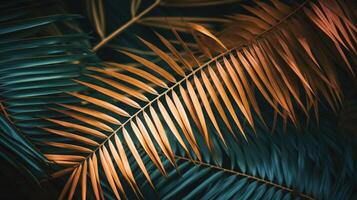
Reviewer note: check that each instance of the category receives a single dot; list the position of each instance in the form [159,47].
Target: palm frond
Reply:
[265,167]
[278,60]
[112,125]
[15,147]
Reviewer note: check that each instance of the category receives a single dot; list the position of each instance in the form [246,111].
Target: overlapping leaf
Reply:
[198,102]
[278,60]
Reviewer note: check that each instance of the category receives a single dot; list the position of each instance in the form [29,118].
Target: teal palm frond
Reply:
[203,104]
[286,165]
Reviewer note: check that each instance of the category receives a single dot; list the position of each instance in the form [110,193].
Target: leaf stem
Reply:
[158,97]
[123,27]
[244,175]
[192,73]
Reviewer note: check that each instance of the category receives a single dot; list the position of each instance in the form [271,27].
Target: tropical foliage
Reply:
[180,99]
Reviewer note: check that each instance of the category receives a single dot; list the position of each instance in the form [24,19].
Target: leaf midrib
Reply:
[125,26]
[158,97]
[208,165]
[193,73]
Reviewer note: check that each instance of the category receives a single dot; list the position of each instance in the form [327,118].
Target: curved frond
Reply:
[273,57]
[198,112]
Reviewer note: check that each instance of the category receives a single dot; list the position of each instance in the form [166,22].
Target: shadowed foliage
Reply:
[178,99]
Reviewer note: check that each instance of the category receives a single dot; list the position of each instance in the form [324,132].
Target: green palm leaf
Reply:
[188,108]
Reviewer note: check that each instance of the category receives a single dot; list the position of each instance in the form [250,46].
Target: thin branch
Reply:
[125,26]
[244,175]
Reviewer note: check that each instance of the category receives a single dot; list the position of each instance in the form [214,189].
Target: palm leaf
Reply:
[248,61]
[81,107]
[264,167]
